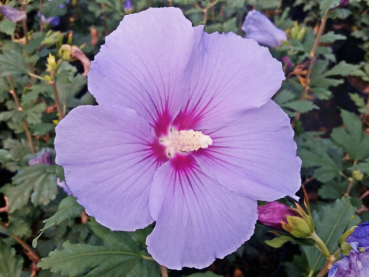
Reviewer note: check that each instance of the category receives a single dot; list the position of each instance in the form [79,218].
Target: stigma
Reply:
[184,141]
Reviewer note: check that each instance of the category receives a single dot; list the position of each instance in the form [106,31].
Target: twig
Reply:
[56,99]
[40,12]
[327,266]
[28,250]
[206,9]
[365,194]
[19,107]
[170,3]
[312,60]
[105,20]
[164,271]
[351,181]
[308,180]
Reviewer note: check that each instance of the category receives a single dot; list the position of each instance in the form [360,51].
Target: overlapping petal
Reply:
[108,158]
[229,75]
[254,156]
[143,65]
[197,220]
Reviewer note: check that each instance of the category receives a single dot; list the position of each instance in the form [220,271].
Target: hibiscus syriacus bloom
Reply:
[185,134]
[258,27]
[356,264]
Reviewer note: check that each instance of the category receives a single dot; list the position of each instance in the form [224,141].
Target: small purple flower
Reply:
[53,20]
[42,157]
[185,134]
[13,14]
[360,235]
[272,213]
[128,7]
[356,264]
[258,27]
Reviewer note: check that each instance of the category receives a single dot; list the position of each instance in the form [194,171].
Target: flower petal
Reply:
[109,161]
[254,156]
[229,75]
[197,220]
[143,65]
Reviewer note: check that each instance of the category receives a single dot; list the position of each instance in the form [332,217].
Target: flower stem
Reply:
[19,108]
[164,271]
[327,266]
[347,193]
[321,245]
[312,60]
[56,99]
[105,20]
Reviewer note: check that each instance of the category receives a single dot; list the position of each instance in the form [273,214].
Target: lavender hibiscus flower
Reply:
[258,27]
[356,264]
[185,134]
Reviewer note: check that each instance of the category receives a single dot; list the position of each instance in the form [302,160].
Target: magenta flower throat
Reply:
[185,134]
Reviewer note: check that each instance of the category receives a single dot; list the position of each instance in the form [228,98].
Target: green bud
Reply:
[345,248]
[65,53]
[298,227]
[295,30]
[301,34]
[357,175]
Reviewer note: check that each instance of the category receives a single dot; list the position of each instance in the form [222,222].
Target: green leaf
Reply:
[7,26]
[37,181]
[19,228]
[331,37]
[145,268]
[118,256]
[352,137]
[278,241]
[68,209]
[35,90]
[6,156]
[330,222]
[10,263]
[333,189]
[60,173]
[300,106]
[325,5]
[363,167]
[142,235]
[11,62]
[42,129]
[341,69]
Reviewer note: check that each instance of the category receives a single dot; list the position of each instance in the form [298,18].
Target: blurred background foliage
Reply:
[45,51]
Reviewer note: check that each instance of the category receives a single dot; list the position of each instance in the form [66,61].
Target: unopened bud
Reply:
[298,227]
[272,213]
[357,175]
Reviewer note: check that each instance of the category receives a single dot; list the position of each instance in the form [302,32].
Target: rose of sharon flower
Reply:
[185,134]
[356,264]
[272,213]
[258,27]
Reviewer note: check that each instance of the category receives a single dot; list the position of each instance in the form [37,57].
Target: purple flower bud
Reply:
[128,7]
[360,235]
[258,27]
[355,265]
[287,61]
[13,14]
[43,157]
[272,213]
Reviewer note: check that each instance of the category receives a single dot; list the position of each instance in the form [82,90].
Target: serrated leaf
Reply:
[68,209]
[42,129]
[37,181]
[6,156]
[363,167]
[352,137]
[325,5]
[341,69]
[19,228]
[145,268]
[60,173]
[284,96]
[7,27]
[10,263]
[300,106]
[11,62]
[333,189]
[117,257]
[331,37]
[330,222]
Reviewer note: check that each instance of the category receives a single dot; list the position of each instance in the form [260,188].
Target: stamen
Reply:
[185,141]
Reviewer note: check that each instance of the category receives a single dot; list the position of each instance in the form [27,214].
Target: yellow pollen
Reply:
[185,141]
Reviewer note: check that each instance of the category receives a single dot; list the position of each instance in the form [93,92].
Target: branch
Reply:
[312,60]
[19,107]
